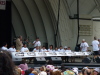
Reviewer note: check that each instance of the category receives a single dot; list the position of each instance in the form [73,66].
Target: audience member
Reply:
[23,65]
[42,72]
[7,67]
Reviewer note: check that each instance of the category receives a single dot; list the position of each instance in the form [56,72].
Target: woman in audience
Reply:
[50,65]
[57,73]
[35,72]
[96,71]
[23,65]
[7,67]
[42,71]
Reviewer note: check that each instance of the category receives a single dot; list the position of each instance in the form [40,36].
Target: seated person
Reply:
[43,49]
[24,48]
[56,50]
[36,49]
[4,47]
[50,48]
[68,49]
[12,49]
[71,58]
[60,49]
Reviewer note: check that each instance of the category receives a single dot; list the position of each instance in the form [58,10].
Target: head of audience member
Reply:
[7,52]
[96,71]
[57,73]
[51,47]
[37,39]
[44,68]
[27,72]
[65,48]
[75,69]
[50,62]
[56,69]
[31,69]
[83,40]
[41,69]
[7,66]
[85,68]
[23,61]
[35,72]
[37,47]
[68,48]
[88,72]
[5,44]
[60,47]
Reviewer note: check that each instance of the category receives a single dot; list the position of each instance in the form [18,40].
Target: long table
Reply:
[47,54]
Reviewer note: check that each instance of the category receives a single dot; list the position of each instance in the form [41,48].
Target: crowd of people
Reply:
[21,45]
[7,67]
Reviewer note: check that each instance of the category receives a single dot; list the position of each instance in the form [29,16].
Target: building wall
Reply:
[38,18]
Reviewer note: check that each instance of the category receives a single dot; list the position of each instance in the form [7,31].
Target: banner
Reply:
[2,4]
[47,54]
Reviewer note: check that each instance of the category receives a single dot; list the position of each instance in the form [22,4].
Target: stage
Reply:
[69,65]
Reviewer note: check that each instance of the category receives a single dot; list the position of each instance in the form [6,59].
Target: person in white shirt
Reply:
[84,46]
[12,49]
[56,50]
[37,43]
[43,49]
[24,48]
[50,48]
[4,47]
[99,45]
[72,57]
[67,57]
[60,49]
[36,49]
[95,45]
[65,48]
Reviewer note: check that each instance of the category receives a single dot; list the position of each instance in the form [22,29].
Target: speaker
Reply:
[97,59]
[86,60]
[56,60]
